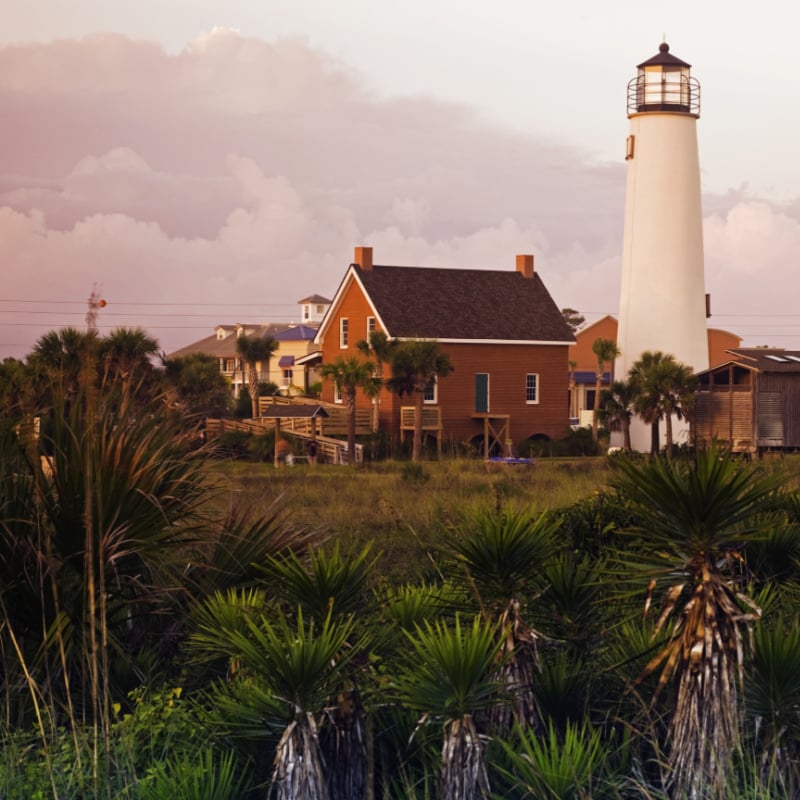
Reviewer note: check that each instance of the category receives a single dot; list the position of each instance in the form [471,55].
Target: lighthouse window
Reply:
[629,146]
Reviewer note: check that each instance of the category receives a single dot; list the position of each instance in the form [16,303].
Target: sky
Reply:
[198,162]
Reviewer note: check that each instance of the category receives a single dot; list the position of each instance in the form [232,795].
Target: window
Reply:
[320,309]
[287,377]
[481,392]
[431,391]
[370,325]
[531,388]
[337,393]
[306,313]
[343,332]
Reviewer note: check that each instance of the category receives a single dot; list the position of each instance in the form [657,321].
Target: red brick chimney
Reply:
[525,266]
[363,257]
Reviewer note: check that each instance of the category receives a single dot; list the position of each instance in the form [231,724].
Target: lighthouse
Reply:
[662,294]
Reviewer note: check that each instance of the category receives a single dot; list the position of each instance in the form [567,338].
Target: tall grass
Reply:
[406,512]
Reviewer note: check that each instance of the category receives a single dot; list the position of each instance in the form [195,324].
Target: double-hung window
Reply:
[532,388]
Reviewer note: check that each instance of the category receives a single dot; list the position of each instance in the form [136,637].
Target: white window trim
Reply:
[337,394]
[435,399]
[534,402]
[370,326]
[344,332]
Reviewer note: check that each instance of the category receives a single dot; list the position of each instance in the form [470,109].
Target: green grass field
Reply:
[402,508]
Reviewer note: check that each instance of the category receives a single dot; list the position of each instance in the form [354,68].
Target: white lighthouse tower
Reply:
[662,296]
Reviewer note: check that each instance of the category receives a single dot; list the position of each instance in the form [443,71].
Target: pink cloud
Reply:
[227,181]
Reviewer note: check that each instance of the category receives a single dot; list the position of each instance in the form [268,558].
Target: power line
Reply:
[155,303]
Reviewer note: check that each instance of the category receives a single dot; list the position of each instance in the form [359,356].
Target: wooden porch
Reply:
[496,427]
[431,423]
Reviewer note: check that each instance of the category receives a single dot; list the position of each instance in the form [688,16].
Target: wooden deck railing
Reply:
[431,418]
[329,450]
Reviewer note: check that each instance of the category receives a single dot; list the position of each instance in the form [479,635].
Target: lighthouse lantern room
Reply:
[664,83]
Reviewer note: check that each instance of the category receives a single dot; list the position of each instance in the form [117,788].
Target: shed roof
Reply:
[761,359]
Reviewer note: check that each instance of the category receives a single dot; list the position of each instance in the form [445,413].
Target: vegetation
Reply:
[416,365]
[179,625]
[605,351]
[378,347]
[662,387]
[255,350]
[349,375]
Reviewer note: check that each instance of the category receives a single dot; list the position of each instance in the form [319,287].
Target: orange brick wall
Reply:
[507,366]
[356,309]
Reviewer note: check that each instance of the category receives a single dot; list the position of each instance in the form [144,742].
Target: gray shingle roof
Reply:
[225,348]
[426,303]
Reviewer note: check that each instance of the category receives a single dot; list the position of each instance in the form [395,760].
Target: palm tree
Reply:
[196,386]
[60,360]
[572,396]
[125,356]
[447,679]
[15,388]
[662,387]
[379,347]
[255,349]
[349,375]
[416,364]
[606,351]
[616,405]
[694,521]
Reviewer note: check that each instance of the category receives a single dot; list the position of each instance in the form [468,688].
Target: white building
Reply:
[662,295]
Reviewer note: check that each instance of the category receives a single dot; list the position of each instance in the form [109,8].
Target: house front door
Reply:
[481,392]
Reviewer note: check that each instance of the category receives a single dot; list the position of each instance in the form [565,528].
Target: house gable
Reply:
[452,305]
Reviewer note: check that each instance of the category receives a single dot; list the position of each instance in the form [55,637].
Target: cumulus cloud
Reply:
[227,181]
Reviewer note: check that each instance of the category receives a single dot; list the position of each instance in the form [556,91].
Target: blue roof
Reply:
[297,333]
[589,376]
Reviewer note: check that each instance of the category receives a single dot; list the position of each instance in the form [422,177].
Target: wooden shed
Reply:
[751,402]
